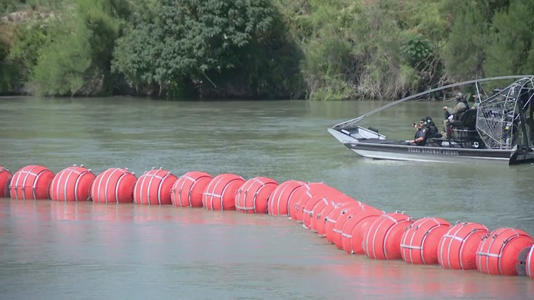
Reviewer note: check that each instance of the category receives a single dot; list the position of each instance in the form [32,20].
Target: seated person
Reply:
[433,131]
[420,136]
[454,114]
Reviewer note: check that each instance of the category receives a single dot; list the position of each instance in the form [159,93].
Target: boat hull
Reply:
[427,154]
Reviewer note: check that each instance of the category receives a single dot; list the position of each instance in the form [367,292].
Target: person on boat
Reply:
[421,132]
[432,129]
[454,114]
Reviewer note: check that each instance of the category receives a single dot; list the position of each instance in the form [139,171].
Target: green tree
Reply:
[464,53]
[353,49]
[8,6]
[10,72]
[511,47]
[30,38]
[178,43]
[77,59]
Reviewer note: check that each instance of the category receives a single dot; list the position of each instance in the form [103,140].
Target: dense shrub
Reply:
[77,59]
[216,47]
[316,49]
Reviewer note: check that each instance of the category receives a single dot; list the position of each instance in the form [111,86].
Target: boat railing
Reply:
[480,96]
[501,117]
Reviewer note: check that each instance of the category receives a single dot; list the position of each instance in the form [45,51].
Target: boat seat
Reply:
[466,120]
[435,141]
[464,129]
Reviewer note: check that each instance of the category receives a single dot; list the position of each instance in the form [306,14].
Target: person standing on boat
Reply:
[420,134]
[454,114]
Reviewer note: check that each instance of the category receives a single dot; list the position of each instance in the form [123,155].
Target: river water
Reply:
[57,250]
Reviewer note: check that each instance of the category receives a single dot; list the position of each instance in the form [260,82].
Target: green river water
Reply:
[57,250]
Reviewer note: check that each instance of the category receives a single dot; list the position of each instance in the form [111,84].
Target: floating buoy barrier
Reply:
[337,231]
[317,212]
[420,241]
[299,199]
[354,228]
[351,225]
[322,215]
[458,246]
[529,264]
[305,193]
[311,209]
[331,219]
[114,185]
[5,177]
[154,187]
[315,193]
[31,183]
[498,252]
[220,192]
[279,199]
[382,240]
[187,190]
[72,184]
[293,204]
[312,205]
[253,195]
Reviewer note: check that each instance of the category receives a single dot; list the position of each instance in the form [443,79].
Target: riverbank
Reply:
[349,49]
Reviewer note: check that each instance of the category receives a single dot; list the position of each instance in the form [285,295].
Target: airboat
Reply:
[498,127]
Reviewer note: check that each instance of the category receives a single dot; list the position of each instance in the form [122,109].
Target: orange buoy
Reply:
[333,216]
[253,195]
[320,193]
[498,252]
[31,182]
[530,263]
[317,210]
[301,196]
[308,210]
[420,241]
[220,192]
[154,187]
[293,205]
[187,190]
[457,248]
[382,240]
[359,231]
[319,221]
[114,185]
[72,184]
[337,231]
[5,177]
[321,214]
[278,201]
[355,226]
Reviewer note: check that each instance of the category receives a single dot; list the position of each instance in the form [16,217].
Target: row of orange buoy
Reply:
[352,226]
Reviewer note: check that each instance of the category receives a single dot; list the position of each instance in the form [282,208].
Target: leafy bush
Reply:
[317,49]
[77,59]
[10,73]
[174,44]
[511,43]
